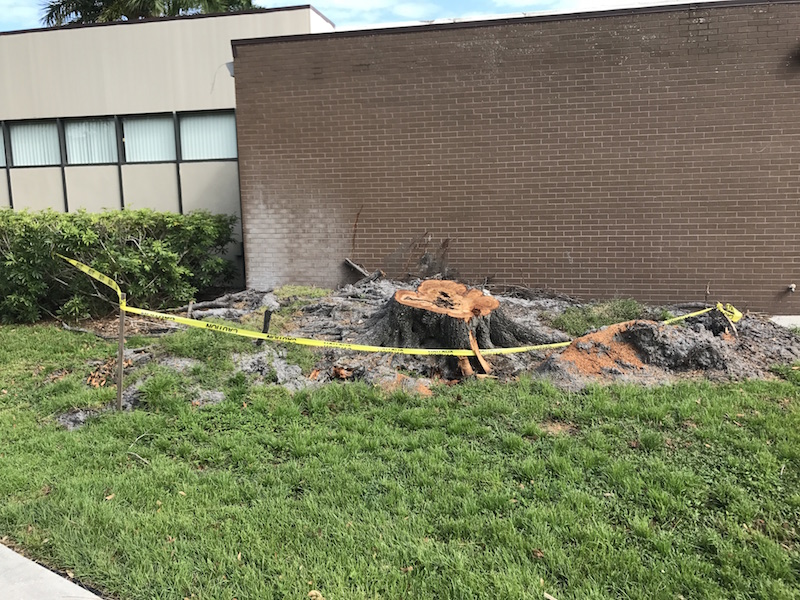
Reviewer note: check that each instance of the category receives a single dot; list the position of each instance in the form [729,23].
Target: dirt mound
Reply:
[640,352]
[651,353]
[603,356]
[357,314]
[644,352]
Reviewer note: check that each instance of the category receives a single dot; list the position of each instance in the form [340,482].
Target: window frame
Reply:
[123,157]
[117,140]
[197,113]
[9,126]
[61,124]
[4,153]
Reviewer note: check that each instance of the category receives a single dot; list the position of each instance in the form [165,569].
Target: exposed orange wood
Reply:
[448,298]
[466,368]
[473,343]
[453,299]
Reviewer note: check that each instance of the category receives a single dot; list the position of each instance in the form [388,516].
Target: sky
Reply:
[348,14]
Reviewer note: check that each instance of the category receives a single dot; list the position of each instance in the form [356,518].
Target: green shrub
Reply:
[158,259]
[577,321]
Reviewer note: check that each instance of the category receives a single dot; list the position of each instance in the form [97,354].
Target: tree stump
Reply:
[446,314]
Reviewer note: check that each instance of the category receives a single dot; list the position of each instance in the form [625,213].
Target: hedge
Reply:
[159,260]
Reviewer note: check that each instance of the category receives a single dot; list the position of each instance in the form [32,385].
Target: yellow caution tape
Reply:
[96,274]
[329,344]
[288,339]
[728,310]
[682,317]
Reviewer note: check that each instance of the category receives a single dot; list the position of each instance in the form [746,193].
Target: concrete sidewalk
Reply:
[23,579]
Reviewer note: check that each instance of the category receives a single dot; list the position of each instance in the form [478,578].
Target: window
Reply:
[2,148]
[208,136]
[35,144]
[149,139]
[91,142]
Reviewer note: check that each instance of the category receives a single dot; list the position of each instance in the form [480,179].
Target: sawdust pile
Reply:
[640,352]
[651,353]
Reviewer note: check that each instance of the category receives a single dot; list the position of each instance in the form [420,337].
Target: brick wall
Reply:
[652,154]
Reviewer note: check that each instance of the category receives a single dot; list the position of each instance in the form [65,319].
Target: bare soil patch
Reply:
[558,428]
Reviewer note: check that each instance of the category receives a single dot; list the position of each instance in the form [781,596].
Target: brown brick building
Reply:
[648,153]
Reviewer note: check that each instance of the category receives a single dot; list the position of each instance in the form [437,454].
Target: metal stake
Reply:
[120,352]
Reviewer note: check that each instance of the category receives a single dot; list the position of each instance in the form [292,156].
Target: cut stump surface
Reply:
[456,301]
[448,298]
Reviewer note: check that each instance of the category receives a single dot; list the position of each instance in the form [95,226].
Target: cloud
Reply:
[356,13]
[415,10]
[569,6]
[528,6]
[19,14]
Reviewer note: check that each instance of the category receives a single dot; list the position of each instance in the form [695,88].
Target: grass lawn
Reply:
[481,491]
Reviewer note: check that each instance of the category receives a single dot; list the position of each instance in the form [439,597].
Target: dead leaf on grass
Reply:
[342,372]
[110,496]
[423,390]
[106,372]
[56,376]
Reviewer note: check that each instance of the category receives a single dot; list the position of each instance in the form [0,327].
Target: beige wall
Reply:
[213,186]
[151,186]
[4,203]
[169,65]
[160,66]
[38,188]
[93,188]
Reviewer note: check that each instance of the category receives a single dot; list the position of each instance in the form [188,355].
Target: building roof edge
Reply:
[253,11]
[494,21]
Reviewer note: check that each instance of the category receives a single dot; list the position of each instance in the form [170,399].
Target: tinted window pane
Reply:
[208,137]
[149,139]
[91,142]
[35,144]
